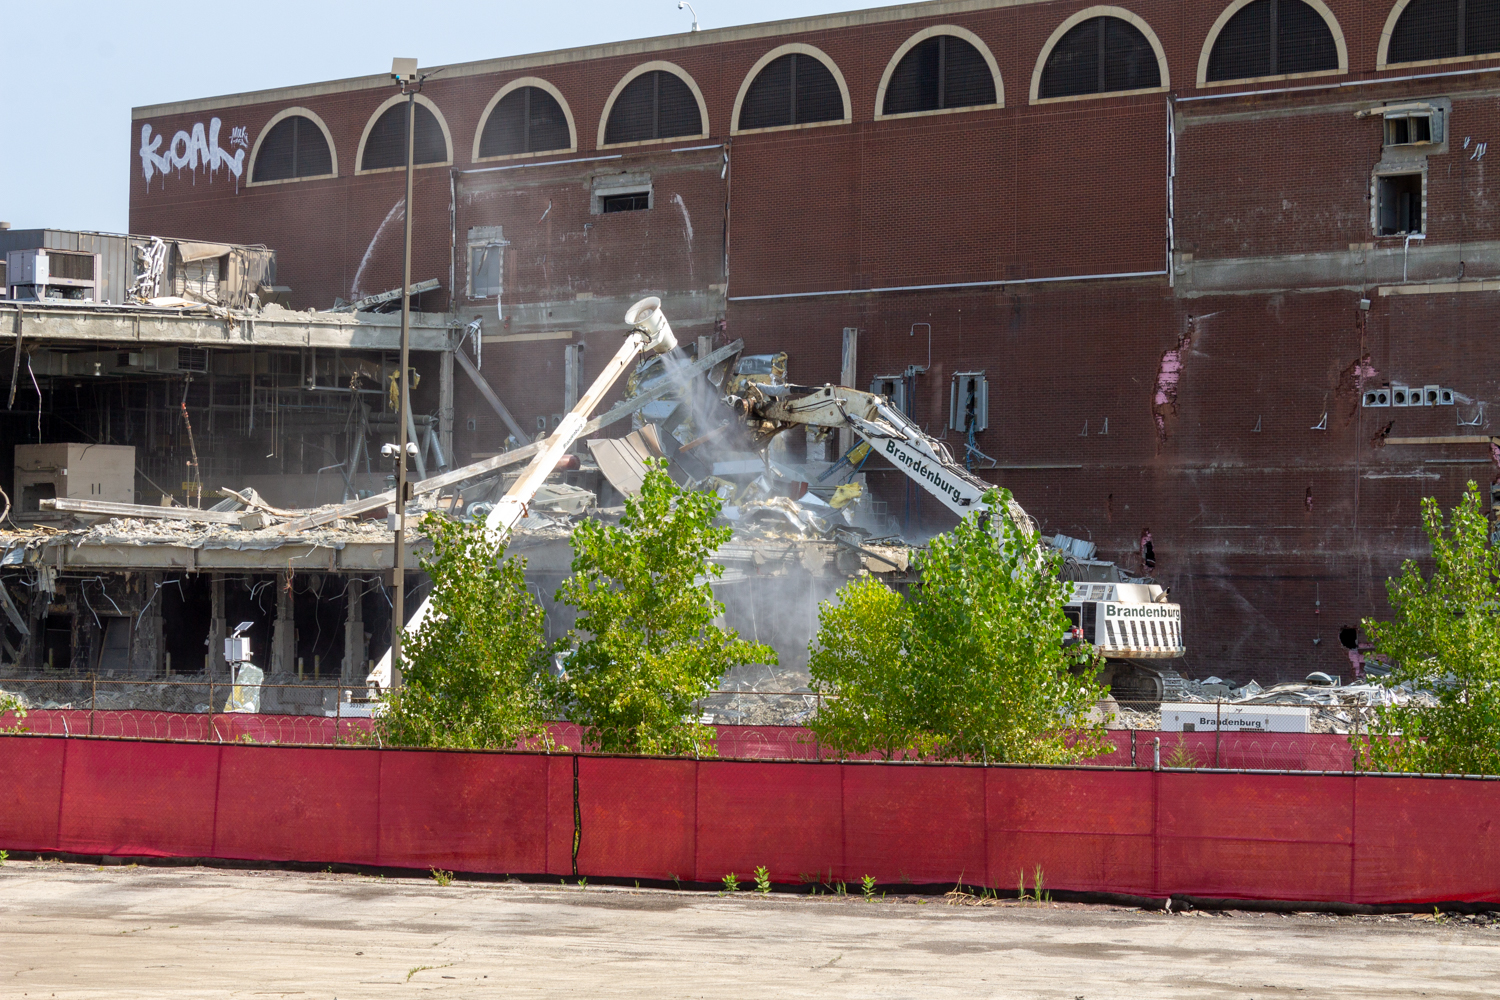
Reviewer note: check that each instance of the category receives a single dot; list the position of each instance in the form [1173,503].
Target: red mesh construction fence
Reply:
[1341,838]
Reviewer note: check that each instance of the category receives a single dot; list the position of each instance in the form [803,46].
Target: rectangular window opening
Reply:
[486,261]
[1398,204]
[1413,128]
[634,201]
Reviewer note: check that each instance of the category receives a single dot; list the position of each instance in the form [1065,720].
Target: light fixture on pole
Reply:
[684,3]
[404,72]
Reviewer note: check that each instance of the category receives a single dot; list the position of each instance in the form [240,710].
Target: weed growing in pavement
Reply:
[840,889]
[1021,885]
[867,886]
[1036,889]
[4,857]
[583,883]
[441,878]
[762,880]
[424,968]
[731,883]
[676,882]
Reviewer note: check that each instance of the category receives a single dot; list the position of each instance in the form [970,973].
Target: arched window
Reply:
[656,104]
[1444,29]
[938,73]
[526,119]
[385,142]
[1100,55]
[1272,38]
[794,89]
[293,146]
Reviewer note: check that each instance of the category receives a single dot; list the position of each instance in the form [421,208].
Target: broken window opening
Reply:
[635,201]
[1413,126]
[1098,56]
[1398,204]
[1445,29]
[486,261]
[937,74]
[1273,38]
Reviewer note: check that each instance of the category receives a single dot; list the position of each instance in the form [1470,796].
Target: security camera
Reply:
[390,449]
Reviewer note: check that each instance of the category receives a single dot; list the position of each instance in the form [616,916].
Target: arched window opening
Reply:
[386,144]
[1273,38]
[794,89]
[939,73]
[295,147]
[655,105]
[527,120]
[1445,29]
[1100,56]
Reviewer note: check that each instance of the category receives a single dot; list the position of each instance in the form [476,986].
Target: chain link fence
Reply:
[759,725]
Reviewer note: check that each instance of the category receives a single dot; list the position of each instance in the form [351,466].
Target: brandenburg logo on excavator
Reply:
[927,472]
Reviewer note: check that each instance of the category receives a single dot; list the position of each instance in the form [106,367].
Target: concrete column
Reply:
[218,629]
[848,372]
[145,650]
[283,631]
[355,651]
[572,375]
[445,406]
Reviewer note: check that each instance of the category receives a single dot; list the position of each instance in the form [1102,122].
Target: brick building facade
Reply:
[1183,241]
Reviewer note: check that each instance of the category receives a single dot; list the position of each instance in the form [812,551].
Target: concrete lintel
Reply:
[1389,263]
[278,328]
[301,556]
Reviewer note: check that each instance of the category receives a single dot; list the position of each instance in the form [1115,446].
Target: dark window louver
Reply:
[939,73]
[386,144]
[193,359]
[1272,38]
[1445,29]
[1099,56]
[527,120]
[295,147]
[791,90]
[655,105]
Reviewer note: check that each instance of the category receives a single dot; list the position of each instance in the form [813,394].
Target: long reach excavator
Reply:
[1129,619]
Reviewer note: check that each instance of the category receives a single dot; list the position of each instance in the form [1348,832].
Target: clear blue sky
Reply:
[73,73]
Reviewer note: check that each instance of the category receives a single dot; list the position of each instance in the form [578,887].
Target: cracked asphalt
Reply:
[80,931]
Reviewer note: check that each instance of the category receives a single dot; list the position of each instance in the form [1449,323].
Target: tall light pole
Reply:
[404,71]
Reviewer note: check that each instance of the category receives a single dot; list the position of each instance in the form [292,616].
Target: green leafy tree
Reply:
[471,675]
[11,705]
[1444,639]
[646,646]
[971,666]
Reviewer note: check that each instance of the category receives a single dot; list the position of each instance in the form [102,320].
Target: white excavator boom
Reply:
[1123,617]
[649,331]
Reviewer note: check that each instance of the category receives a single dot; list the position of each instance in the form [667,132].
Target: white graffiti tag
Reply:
[188,149]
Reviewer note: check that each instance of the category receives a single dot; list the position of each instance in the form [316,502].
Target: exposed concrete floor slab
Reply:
[76,931]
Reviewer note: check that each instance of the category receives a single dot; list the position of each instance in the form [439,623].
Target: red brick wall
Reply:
[1021,192]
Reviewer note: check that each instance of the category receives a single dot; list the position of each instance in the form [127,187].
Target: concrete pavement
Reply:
[80,931]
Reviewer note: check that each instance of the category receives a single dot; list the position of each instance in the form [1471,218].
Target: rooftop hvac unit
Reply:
[51,274]
[969,400]
[892,387]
